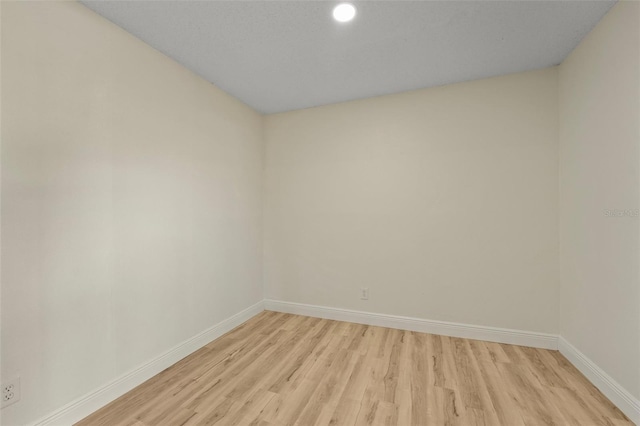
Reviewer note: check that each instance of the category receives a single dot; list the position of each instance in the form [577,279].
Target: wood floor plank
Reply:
[503,400]
[288,370]
[330,388]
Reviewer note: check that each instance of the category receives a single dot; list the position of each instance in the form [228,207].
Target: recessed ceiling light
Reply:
[344,12]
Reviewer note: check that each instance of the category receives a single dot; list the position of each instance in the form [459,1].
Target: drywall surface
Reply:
[442,202]
[131,204]
[599,104]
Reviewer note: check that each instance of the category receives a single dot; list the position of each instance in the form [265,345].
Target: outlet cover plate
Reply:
[10,391]
[364,293]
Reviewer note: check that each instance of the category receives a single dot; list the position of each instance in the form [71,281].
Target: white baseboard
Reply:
[93,401]
[626,402]
[83,406]
[468,331]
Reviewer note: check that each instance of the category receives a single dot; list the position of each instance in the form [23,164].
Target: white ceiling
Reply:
[285,55]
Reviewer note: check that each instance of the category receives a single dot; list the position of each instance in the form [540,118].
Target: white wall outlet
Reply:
[10,391]
[364,293]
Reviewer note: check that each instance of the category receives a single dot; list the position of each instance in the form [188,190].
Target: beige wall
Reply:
[131,204]
[600,170]
[443,202]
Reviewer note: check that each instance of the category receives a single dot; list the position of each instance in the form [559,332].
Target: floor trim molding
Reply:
[85,405]
[100,397]
[626,402]
[468,331]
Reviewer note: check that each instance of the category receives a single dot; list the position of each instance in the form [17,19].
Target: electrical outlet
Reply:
[10,392]
[364,293]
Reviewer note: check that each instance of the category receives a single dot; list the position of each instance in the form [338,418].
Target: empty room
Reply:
[299,213]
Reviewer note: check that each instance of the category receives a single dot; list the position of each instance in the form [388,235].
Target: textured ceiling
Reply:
[284,55]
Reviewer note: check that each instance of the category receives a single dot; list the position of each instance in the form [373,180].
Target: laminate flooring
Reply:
[281,369]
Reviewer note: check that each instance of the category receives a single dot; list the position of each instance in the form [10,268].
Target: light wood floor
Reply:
[280,369]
